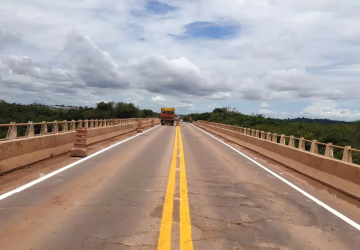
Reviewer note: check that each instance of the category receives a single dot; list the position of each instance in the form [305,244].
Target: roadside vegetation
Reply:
[13,112]
[323,130]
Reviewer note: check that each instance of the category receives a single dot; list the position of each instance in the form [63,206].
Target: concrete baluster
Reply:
[268,136]
[347,155]
[292,141]
[30,132]
[55,127]
[72,125]
[301,143]
[44,128]
[64,126]
[275,137]
[253,132]
[86,124]
[80,124]
[314,147]
[263,135]
[282,139]
[12,131]
[329,151]
[257,133]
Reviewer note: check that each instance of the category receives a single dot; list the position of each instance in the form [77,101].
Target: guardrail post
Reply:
[44,128]
[55,127]
[275,136]
[116,121]
[103,123]
[263,135]
[91,123]
[12,131]
[268,136]
[301,143]
[80,148]
[140,127]
[282,139]
[65,125]
[252,132]
[314,147]
[80,124]
[329,151]
[72,125]
[30,132]
[291,141]
[347,156]
[86,124]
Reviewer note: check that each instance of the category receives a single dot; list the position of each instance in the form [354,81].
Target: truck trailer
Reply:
[167,116]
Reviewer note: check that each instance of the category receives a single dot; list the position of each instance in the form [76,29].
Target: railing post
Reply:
[65,125]
[44,128]
[268,136]
[301,143]
[72,125]
[257,133]
[291,141]
[329,151]
[275,136]
[282,139]
[263,135]
[253,132]
[86,124]
[314,147]
[347,156]
[30,132]
[12,131]
[55,127]
[80,124]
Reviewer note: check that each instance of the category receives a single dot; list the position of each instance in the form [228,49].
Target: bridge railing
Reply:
[46,128]
[300,143]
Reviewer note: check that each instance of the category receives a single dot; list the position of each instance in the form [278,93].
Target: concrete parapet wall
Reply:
[21,152]
[340,175]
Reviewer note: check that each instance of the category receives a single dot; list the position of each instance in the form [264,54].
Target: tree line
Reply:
[323,130]
[20,113]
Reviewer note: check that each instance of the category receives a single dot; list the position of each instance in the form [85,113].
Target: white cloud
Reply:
[283,50]
[264,105]
[158,98]
[267,112]
[329,109]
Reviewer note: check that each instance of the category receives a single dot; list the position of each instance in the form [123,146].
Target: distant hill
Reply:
[319,121]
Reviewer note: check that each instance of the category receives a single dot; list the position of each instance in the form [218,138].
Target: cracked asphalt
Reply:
[115,201]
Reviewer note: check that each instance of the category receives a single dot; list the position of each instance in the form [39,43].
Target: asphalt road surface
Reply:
[173,188]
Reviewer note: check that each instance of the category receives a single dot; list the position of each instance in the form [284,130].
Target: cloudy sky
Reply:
[275,57]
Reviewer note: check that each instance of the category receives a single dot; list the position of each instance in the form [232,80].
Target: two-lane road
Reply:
[172,188]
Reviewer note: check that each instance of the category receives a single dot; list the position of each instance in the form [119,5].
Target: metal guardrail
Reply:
[60,126]
[291,141]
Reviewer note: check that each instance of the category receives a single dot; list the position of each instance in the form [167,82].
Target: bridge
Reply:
[198,185]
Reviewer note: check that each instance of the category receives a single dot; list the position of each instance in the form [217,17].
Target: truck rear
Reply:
[167,116]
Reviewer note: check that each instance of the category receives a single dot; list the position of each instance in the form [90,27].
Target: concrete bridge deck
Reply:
[172,188]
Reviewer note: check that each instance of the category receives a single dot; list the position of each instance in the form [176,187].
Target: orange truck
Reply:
[167,116]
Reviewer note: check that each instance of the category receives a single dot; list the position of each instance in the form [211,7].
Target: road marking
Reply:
[185,223]
[330,209]
[164,242]
[19,189]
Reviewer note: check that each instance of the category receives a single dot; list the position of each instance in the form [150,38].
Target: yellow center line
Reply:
[185,223]
[164,242]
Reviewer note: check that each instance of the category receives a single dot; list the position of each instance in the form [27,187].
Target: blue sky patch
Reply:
[210,30]
[159,8]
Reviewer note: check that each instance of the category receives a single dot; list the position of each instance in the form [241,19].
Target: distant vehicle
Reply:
[167,116]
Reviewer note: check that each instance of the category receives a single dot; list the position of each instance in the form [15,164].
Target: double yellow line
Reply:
[164,242]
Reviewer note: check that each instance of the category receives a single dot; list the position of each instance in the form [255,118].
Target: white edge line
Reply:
[19,189]
[330,209]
